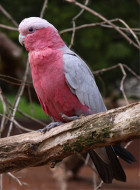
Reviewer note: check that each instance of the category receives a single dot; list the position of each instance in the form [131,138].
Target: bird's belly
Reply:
[56,97]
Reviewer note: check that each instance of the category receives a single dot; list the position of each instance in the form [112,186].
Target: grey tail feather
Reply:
[124,154]
[108,171]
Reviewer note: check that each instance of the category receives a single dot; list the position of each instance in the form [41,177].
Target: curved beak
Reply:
[21,39]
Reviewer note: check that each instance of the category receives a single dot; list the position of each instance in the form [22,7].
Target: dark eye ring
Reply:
[31,29]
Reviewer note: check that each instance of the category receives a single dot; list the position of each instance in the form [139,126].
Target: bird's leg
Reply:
[50,126]
[67,118]
[55,124]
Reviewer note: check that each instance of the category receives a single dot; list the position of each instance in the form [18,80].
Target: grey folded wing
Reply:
[82,83]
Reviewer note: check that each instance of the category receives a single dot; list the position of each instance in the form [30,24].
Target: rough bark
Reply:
[35,148]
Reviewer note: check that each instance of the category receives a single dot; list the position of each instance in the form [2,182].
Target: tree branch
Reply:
[35,148]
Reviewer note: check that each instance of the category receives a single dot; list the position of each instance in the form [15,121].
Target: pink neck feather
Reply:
[42,39]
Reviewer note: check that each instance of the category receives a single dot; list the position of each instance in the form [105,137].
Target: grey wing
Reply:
[82,83]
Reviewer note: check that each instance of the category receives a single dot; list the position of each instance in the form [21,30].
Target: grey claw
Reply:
[67,118]
[50,126]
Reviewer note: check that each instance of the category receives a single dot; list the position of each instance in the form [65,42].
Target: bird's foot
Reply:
[50,126]
[67,118]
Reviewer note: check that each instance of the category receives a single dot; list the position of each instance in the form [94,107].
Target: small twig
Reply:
[8,16]
[94,180]
[30,99]
[16,79]
[1,182]
[31,118]
[17,124]
[130,30]
[123,78]
[21,127]
[21,89]
[80,27]
[105,69]
[122,83]
[128,144]
[97,24]
[22,113]
[103,85]
[8,27]
[74,24]
[16,179]
[26,115]
[14,83]
[4,112]
[73,35]
[114,67]
[87,159]
[44,8]
[95,176]
[131,71]
[88,164]
[99,186]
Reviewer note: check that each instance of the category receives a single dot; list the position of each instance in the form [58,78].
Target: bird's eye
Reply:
[31,30]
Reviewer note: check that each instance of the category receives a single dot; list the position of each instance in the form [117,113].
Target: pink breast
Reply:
[50,84]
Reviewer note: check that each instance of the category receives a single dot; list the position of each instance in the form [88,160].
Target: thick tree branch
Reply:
[35,148]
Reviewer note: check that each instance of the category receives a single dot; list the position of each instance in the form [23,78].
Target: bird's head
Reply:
[37,33]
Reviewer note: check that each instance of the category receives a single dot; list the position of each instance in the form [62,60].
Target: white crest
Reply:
[35,22]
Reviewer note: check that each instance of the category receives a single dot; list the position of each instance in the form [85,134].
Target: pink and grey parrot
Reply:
[66,88]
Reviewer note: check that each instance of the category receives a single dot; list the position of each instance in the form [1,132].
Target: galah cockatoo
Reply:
[66,88]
